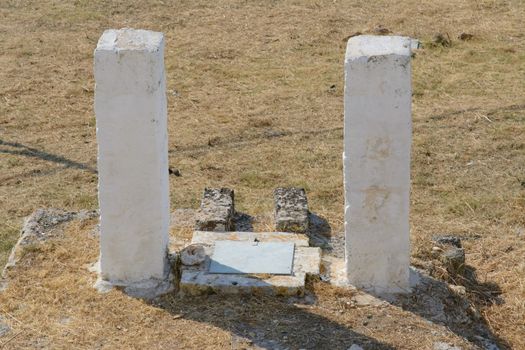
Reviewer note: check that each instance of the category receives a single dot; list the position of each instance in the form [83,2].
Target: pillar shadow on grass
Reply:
[26,151]
[268,322]
[433,300]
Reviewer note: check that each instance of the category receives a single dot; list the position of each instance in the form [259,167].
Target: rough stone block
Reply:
[291,210]
[217,210]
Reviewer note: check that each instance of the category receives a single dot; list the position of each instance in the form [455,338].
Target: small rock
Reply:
[4,328]
[442,39]
[454,260]
[487,344]
[447,240]
[445,346]
[465,36]
[355,347]
[173,171]
[459,290]
[193,254]
[363,299]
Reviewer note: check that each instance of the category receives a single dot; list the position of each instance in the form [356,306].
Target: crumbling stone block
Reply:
[454,260]
[217,210]
[291,210]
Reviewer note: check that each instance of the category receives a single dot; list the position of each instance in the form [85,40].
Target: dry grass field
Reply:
[255,101]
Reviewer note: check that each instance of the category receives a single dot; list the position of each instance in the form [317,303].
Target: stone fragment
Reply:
[355,347]
[487,344]
[194,254]
[454,260]
[376,159]
[217,210]
[459,290]
[465,36]
[291,210]
[447,240]
[4,327]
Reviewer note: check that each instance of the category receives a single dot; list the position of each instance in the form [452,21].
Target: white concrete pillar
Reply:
[377,139]
[130,108]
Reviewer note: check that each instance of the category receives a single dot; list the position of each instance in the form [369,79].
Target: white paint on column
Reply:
[130,108]
[376,159]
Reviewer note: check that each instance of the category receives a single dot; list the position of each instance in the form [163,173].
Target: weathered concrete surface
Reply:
[217,210]
[291,210]
[131,113]
[200,283]
[376,158]
[196,280]
[209,238]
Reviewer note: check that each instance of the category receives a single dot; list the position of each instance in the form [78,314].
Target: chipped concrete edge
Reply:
[148,289]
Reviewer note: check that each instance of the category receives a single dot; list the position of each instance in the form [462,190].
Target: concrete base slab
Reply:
[335,271]
[196,279]
[145,289]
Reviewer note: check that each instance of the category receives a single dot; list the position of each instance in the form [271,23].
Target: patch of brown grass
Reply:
[263,81]
[51,303]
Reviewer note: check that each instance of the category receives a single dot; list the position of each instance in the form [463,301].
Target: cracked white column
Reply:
[377,141]
[130,108]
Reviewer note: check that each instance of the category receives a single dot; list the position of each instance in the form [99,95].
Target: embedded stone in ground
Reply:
[291,210]
[454,260]
[217,210]
[447,240]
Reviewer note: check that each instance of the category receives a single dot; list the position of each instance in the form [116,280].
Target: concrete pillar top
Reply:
[128,39]
[373,45]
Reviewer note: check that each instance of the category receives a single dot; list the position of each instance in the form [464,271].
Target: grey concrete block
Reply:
[217,210]
[291,210]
